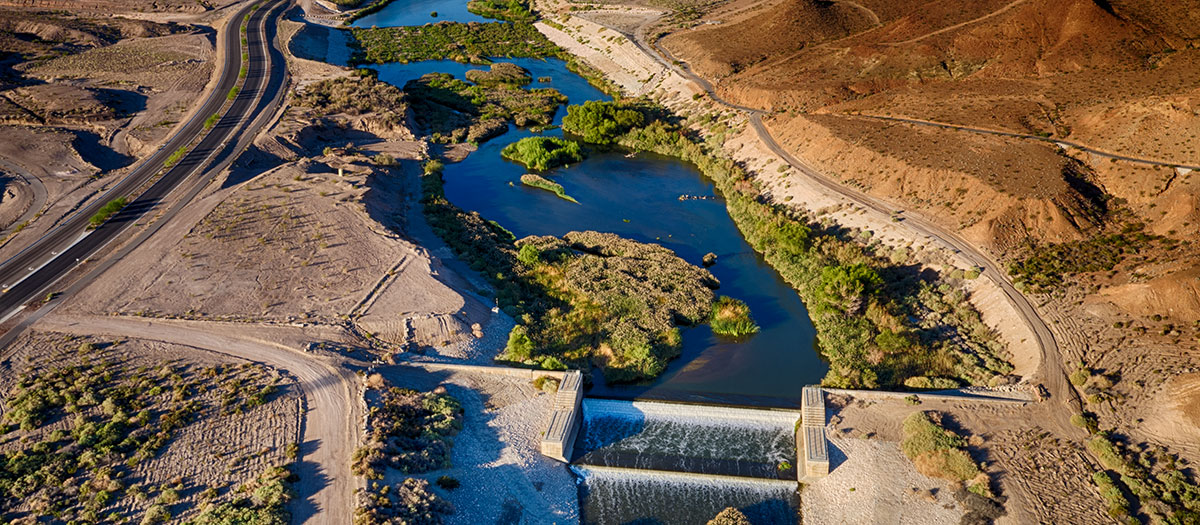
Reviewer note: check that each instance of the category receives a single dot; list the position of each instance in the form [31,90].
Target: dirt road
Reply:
[1054,376]
[328,432]
[35,186]
[1060,142]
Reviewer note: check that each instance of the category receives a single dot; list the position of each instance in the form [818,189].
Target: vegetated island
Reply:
[731,317]
[452,110]
[471,42]
[543,153]
[585,298]
[878,324]
[538,181]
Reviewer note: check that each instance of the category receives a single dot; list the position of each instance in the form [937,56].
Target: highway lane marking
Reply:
[32,271]
[15,311]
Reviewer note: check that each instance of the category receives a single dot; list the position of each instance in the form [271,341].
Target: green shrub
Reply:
[938,452]
[1108,454]
[156,514]
[543,153]
[1118,504]
[107,211]
[176,156]
[547,383]
[537,181]
[519,347]
[1046,266]
[1085,421]
[599,122]
[265,504]
[1080,376]
[447,482]
[731,317]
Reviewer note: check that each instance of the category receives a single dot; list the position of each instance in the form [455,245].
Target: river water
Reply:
[638,197]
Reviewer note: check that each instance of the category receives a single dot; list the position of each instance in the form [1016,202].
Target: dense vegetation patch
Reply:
[471,42]
[452,110]
[543,153]
[609,299]
[407,430]
[500,73]
[1045,266]
[878,323]
[940,453]
[355,96]
[600,122]
[538,181]
[373,8]
[510,10]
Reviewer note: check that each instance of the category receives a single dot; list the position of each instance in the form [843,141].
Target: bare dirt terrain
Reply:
[302,243]
[1113,79]
[1046,478]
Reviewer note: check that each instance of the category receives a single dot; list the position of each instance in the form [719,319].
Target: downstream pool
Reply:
[639,198]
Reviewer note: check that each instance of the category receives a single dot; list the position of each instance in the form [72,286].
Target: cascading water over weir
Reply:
[669,463]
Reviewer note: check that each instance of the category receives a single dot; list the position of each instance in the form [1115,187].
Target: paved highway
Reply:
[34,270]
[1055,377]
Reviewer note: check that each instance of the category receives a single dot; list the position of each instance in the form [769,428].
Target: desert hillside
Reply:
[1117,77]
[876,94]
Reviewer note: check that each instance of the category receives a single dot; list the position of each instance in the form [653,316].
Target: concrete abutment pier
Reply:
[812,445]
[566,416]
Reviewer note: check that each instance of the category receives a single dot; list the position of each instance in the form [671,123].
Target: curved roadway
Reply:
[1055,376]
[36,268]
[326,483]
[35,186]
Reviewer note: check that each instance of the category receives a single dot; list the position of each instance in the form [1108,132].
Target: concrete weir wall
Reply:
[811,442]
[558,439]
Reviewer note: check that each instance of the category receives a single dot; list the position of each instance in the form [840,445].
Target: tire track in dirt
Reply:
[329,432]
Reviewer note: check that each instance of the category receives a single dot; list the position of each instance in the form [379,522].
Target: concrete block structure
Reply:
[811,441]
[566,415]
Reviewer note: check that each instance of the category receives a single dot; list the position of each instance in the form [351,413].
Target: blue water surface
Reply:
[419,12]
[638,197]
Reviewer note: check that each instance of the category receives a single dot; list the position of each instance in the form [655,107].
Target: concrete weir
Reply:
[558,439]
[810,437]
